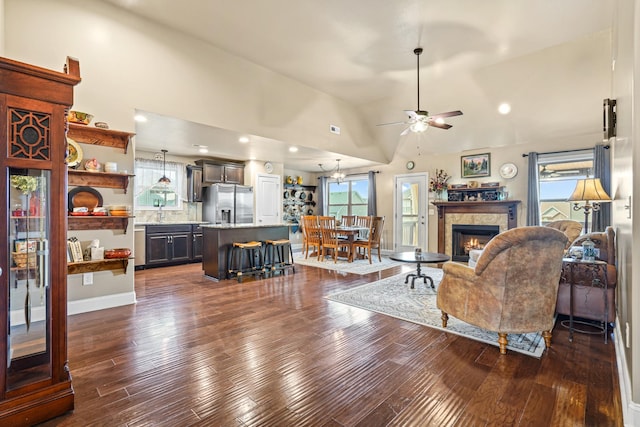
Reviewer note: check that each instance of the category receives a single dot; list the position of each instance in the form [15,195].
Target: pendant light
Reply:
[164,180]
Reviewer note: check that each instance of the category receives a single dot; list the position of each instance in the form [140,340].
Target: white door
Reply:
[268,199]
[410,212]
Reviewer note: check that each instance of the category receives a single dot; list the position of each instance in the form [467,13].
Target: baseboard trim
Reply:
[630,409]
[100,303]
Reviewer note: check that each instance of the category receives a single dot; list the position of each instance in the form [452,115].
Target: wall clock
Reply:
[410,165]
[268,167]
[508,170]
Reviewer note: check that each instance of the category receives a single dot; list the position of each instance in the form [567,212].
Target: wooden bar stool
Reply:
[276,261]
[255,260]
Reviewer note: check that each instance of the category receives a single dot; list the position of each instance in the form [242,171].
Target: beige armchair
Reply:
[571,228]
[513,288]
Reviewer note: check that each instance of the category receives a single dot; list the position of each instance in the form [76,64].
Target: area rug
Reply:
[391,296]
[360,266]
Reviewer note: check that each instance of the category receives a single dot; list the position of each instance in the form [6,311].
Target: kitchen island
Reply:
[218,238]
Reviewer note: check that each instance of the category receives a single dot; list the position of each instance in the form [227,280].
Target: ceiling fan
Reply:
[420,120]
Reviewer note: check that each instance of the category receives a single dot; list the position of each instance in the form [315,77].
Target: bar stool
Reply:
[275,260]
[237,250]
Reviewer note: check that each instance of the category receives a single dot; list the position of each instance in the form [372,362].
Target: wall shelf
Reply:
[99,179]
[93,222]
[100,265]
[98,136]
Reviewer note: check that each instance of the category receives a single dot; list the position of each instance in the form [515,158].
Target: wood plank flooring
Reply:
[274,352]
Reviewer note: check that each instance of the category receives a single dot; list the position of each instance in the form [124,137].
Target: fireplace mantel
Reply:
[504,207]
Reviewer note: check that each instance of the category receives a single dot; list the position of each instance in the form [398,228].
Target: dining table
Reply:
[351,233]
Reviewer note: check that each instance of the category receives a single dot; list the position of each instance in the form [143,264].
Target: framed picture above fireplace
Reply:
[476,165]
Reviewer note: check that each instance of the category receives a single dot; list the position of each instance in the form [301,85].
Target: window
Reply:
[149,195]
[348,197]
[558,174]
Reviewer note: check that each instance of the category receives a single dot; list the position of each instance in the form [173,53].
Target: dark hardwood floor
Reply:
[274,352]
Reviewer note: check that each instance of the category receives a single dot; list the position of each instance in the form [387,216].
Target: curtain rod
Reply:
[564,151]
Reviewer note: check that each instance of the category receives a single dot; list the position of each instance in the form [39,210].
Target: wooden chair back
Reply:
[363,221]
[329,235]
[310,234]
[348,220]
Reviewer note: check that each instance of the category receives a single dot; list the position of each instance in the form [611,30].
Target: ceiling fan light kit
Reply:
[420,120]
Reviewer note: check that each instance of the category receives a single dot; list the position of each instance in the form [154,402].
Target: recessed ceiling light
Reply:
[203,150]
[244,139]
[293,149]
[504,108]
[140,118]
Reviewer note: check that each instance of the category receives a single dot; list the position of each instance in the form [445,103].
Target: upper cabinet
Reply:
[215,172]
[194,183]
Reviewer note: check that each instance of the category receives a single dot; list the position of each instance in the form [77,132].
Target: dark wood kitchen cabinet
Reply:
[194,183]
[214,172]
[35,382]
[196,247]
[168,244]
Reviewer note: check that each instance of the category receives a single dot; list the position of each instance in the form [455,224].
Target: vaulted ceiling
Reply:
[551,60]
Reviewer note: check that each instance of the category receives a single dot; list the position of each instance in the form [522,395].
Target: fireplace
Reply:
[467,237]
[499,213]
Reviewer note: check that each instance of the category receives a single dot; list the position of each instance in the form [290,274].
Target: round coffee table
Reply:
[422,258]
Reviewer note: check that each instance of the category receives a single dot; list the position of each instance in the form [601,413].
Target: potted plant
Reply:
[27,185]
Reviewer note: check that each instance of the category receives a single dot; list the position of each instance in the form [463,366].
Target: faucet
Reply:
[160,215]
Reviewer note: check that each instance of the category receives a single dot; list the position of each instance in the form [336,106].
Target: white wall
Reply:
[129,63]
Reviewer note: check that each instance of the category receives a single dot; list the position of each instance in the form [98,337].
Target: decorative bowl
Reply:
[92,165]
[79,117]
[117,253]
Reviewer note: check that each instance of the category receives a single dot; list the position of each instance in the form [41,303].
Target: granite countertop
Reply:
[251,225]
[170,222]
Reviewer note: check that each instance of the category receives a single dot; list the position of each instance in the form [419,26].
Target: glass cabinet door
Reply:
[29,346]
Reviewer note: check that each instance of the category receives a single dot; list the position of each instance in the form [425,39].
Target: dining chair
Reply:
[330,240]
[372,241]
[348,220]
[363,221]
[310,235]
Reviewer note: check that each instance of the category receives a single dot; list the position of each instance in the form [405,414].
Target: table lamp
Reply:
[588,190]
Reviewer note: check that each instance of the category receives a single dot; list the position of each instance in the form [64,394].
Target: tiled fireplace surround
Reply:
[501,213]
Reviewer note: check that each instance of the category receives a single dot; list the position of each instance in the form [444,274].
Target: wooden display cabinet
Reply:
[35,383]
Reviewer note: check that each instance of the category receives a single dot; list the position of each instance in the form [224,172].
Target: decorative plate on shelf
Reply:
[86,197]
[75,153]
[508,170]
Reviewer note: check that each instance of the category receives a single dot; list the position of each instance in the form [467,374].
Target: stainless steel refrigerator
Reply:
[228,204]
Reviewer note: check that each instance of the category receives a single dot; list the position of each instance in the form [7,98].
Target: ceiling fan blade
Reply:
[448,114]
[392,123]
[406,131]
[439,125]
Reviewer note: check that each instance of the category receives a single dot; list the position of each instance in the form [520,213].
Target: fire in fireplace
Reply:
[467,237]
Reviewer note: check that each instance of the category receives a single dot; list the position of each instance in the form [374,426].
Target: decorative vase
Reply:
[34,205]
[441,195]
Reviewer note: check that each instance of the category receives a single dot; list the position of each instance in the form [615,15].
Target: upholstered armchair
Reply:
[589,302]
[569,227]
[512,289]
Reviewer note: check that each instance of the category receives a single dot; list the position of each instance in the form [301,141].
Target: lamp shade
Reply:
[589,189]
